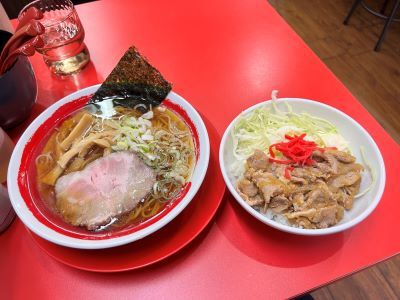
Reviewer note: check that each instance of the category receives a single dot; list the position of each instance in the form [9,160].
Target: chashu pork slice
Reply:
[106,188]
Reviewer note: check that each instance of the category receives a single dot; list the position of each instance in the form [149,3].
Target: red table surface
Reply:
[222,56]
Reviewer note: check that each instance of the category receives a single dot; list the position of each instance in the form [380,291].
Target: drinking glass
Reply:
[64,51]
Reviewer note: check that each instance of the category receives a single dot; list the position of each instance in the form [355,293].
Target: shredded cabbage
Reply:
[370,171]
[265,126]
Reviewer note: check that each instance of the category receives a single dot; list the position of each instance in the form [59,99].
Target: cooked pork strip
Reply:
[304,213]
[317,197]
[258,161]
[247,187]
[279,203]
[346,168]
[333,162]
[312,196]
[341,156]
[106,188]
[343,180]
[303,173]
[256,200]
[326,216]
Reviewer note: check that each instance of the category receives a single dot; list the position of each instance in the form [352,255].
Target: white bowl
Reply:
[351,131]
[48,233]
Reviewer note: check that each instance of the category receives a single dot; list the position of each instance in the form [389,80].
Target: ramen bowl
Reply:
[352,132]
[33,212]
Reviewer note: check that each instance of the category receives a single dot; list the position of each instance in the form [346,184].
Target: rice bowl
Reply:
[352,132]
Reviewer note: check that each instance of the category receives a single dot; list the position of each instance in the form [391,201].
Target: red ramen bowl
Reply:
[45,222]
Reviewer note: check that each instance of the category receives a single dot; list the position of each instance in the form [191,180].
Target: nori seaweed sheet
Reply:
[133,81]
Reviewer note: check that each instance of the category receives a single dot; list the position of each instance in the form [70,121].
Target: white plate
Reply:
[351,131]
[29,219]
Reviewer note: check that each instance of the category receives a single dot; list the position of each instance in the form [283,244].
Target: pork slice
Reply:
[303,222]
[298,201]
[106,188]
[321,171]
[267,192]
[269,187]
[328,216]
[342,156]
[347,179]
[328,157]
[319,196]
[318,156]
[352,167]
[279,203]
[348,193]
[302,172]
[260,175]
[333,162]
[343,199]
[324,168]
[257,200]
[247,187]
[258,161]
[278,170]
[248,174]
[302,189]
[352,190]
[309,213]
[300,180]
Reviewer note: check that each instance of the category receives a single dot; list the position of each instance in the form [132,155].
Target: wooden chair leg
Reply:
[384,6]
[352,9]
[387,24]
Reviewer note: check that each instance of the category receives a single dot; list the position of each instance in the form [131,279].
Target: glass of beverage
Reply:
[64,51]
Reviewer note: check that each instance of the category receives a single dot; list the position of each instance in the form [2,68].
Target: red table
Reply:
[228,54]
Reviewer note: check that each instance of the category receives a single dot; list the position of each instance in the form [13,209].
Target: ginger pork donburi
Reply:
[294,168]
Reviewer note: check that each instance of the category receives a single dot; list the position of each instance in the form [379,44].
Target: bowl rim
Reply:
[301,231]
[59,238]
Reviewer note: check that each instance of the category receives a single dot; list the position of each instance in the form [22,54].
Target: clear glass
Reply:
[64,51]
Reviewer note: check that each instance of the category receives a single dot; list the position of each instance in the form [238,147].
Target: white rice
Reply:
[276,217]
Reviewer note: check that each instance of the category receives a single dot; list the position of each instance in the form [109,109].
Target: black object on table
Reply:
[389,18]
[18,89]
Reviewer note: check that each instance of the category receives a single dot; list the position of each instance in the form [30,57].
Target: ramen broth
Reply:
[172,138]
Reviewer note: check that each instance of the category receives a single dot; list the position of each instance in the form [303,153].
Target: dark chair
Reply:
[389,18]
